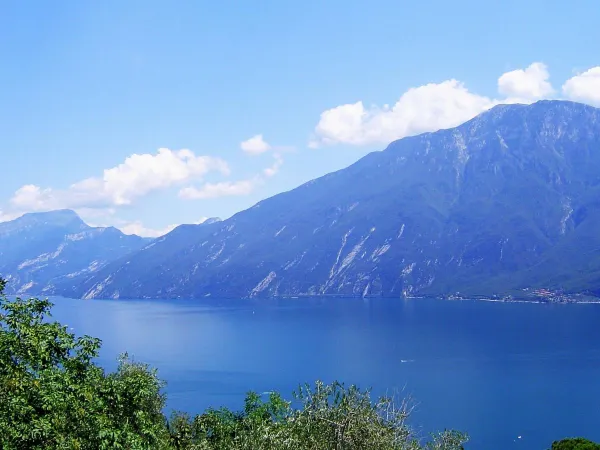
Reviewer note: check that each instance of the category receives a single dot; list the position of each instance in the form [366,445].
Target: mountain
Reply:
[40,250]
[509,200]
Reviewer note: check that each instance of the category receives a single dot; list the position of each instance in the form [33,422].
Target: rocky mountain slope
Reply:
[40,250]
[506,201]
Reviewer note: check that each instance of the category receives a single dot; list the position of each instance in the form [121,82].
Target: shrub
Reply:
[52,395]
[575,444]
[329,417]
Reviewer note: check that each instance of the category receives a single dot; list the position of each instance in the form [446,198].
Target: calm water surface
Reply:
[497,371]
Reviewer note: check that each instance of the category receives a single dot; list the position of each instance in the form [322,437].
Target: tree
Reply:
[53,395]
[575,444]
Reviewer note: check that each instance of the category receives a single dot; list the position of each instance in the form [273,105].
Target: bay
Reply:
[512,375]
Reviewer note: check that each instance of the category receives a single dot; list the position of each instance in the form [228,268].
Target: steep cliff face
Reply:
[504,201]
[39,250]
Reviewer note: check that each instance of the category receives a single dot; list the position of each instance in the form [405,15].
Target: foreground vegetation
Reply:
[575,444]
[53,395]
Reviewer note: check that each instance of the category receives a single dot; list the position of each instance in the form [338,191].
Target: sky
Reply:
[147,114]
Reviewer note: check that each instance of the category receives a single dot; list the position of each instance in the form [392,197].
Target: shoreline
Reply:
[569,301]
[574,302]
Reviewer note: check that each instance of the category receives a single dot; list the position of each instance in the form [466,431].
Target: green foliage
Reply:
[575,444]
[52,395]
[328,417]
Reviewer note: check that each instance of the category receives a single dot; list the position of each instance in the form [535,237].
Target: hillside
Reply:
[40,250]
[506,201]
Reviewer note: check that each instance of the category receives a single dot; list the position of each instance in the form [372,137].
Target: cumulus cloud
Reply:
[420,109]
[526,84]
[274,169]
[232,188]
[34,198]
[255,145]
[425,108]
[98,199]
[222,189]
[584,87]
[137,176]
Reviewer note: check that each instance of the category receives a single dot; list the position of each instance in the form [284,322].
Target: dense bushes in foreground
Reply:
[52,395]
[575,444]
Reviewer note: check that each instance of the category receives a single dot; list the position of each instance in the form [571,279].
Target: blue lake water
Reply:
[494,370]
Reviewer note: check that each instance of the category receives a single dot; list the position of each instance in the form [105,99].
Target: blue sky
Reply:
[89,84]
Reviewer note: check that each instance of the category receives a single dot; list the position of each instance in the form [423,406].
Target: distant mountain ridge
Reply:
[505,201]
[40,250]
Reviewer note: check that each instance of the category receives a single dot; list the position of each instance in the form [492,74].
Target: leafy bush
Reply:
[575,444]
[329,417]
[52,395]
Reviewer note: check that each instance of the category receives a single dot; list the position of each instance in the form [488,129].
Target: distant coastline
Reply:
[531,296]
[523,300]
[545,296]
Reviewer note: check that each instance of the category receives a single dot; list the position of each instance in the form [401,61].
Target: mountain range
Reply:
[507,201]
[40,250]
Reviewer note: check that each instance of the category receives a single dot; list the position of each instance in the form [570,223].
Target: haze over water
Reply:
[494,370]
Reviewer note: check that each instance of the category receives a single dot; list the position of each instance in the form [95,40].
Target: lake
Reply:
[494,370]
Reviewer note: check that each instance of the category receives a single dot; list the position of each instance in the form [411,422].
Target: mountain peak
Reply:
[57,217]
[554,107]
[39,250]
[63,218]
[211,220]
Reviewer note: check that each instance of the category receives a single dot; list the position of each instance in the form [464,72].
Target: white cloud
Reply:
[420,109]
[274,169]
[105,218]
[34,198]
[584,87]
[6,217]
[425,108]
[98,199]
[139,229]
[526,84]
[232,188]
[137,176]
[255,145]
[140,174]
[222,189]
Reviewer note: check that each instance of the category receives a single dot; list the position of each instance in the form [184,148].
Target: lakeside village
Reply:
[540,295]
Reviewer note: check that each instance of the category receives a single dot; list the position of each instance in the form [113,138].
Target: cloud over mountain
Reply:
[442,105]
[221,189]
[528,84]
[584,87]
